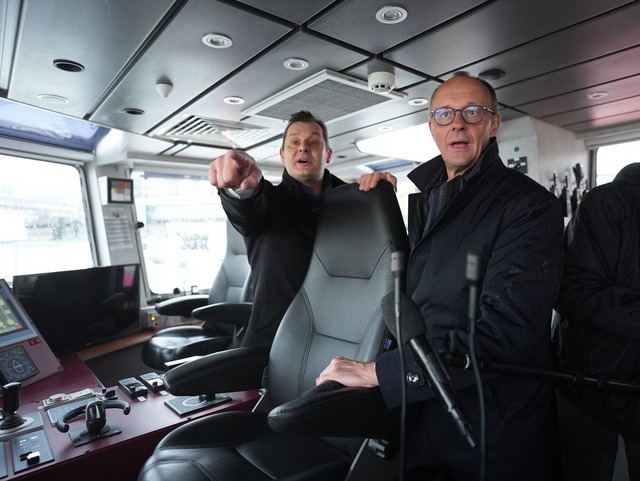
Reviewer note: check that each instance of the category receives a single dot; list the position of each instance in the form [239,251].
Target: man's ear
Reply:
[329,155]
[496,122]
[281,156]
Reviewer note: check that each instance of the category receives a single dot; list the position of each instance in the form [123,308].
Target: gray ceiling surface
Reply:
[555,54]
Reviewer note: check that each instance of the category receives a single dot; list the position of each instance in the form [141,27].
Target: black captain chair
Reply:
[336,312]
[224,311]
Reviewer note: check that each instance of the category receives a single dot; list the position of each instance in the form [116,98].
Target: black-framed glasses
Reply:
[472,114]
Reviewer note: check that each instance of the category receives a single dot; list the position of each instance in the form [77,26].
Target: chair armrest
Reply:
[239,369]
[334,410]
[236,313]
[182,306]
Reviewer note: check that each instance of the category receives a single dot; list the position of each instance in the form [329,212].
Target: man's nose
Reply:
[458,122]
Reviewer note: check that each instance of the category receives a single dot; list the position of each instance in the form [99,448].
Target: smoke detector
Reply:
[381,82]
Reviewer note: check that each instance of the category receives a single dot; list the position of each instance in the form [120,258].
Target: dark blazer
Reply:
[516,225]
[279,225]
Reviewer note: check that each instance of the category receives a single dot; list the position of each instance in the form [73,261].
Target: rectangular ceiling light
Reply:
[329,95]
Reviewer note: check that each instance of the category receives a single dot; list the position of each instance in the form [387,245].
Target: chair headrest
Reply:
[352,235]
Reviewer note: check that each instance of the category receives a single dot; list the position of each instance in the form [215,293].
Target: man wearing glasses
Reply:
[470,202]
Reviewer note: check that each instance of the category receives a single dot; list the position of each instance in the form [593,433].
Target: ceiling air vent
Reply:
[329,95]
[216,132]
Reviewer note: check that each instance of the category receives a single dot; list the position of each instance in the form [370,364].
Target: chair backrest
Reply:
[337,312]
[232,284]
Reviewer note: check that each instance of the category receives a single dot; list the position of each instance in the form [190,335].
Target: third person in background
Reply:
[600,332]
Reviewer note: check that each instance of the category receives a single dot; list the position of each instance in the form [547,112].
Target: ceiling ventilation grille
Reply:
[329,95]
[217,132]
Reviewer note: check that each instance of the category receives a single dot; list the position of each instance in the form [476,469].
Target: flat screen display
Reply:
[77,309]
[14,323]
[120,191]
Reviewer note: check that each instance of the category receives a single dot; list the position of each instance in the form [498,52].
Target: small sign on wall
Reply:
[518,163]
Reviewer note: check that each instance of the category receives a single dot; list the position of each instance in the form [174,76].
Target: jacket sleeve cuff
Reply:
[388,373]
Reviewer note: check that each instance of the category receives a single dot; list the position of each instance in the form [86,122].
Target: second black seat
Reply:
[224,312]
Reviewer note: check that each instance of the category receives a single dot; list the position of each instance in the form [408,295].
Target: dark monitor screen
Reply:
[80,308]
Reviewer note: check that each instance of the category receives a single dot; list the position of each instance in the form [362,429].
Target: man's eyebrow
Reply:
[291,134]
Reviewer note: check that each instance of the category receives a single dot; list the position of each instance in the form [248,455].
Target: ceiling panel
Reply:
[615,91]
[355,23]
[587,74]
[294,10]
[180,55]
[90,33]
[267,76]
[500,27]
[599,116]
[568,47]
[553,53]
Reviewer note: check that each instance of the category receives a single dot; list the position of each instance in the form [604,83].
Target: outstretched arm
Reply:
[234,170]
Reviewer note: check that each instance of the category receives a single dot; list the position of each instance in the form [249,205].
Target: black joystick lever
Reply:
[95,414]
[10,405]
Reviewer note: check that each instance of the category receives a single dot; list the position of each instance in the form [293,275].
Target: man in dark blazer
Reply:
[278,222]
[469,201]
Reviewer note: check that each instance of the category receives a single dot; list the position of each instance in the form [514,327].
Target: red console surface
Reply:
[115,457]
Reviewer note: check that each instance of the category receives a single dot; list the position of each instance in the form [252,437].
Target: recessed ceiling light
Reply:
[217,40]
[385,128]
[133,111]
[68,65]
[296,64]
[53,99]
[597,95]
[232,100]
[492,74]
[391,14]
[418,101]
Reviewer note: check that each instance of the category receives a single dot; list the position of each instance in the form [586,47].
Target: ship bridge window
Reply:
[43,218]
[184,235]
[610,159]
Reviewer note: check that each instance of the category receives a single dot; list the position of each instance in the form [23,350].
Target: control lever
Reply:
[10,404]
[95,414]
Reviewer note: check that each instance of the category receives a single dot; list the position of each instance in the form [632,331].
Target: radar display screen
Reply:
[8,321]
[15,325]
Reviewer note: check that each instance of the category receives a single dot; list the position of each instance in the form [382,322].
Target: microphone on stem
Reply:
[413,333]
[397,268]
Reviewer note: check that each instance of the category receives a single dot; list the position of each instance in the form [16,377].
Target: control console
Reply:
[25,434]
[57,405]
[25,357]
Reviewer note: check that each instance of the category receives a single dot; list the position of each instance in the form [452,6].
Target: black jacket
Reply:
[600,297]
[279,226]
[516,225]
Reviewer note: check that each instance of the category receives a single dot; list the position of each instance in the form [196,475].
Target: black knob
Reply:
[10,405]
